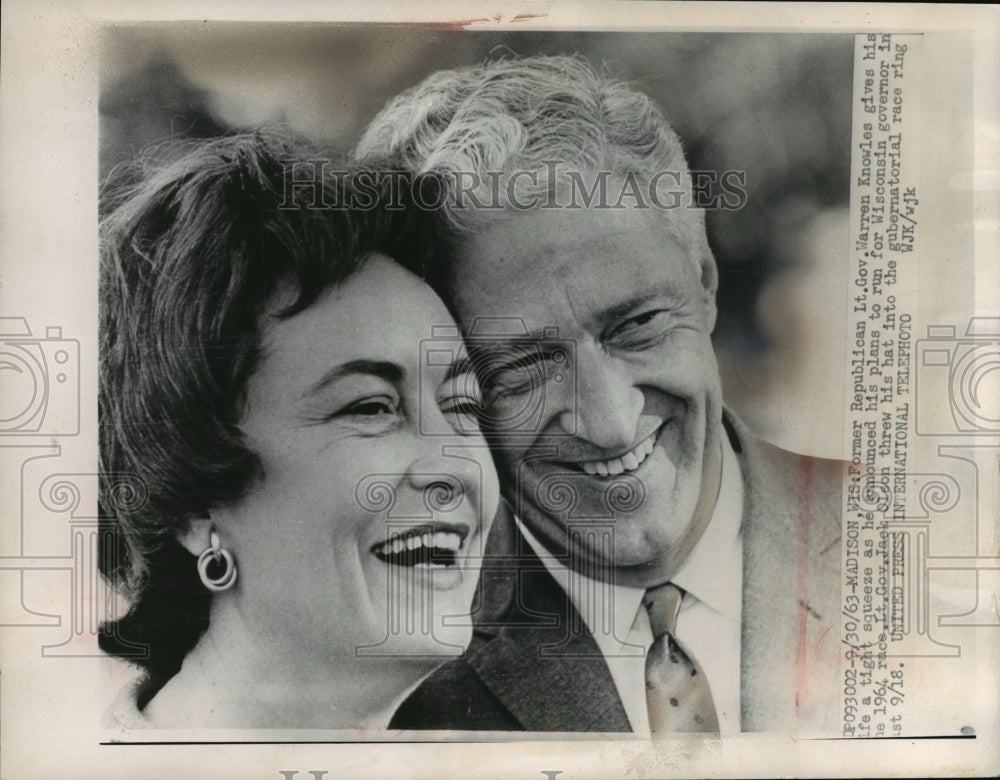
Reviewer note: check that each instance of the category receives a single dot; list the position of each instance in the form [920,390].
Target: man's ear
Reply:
[709,283]
[195,535]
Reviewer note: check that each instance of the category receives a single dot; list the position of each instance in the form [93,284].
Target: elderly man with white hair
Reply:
[659,569]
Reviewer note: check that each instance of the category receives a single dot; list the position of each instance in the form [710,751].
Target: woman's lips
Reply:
[435,546]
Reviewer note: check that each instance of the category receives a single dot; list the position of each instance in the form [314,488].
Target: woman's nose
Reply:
[444,479]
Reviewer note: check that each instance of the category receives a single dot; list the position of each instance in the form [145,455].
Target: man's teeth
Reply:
[630,461]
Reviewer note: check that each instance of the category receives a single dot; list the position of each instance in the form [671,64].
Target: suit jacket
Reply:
[533,666]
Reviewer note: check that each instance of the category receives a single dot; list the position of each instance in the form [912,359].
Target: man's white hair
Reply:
[523,114]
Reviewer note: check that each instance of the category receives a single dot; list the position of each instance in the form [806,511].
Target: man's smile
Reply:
[626,462]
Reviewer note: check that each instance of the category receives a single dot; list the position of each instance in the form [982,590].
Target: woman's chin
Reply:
[420,611]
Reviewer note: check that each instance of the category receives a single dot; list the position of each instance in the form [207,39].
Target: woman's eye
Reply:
[371,407]
[513,382]
[519,376]
[461,406]
[462,414]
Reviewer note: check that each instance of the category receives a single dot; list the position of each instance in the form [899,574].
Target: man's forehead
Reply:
[529,271]
[508,327]
[547,236]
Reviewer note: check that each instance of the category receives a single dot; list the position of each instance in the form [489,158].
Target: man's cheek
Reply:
[508,462]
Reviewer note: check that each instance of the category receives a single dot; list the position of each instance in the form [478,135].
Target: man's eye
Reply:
[642,331]
[642,319]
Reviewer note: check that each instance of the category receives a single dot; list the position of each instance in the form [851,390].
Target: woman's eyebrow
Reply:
[390,372]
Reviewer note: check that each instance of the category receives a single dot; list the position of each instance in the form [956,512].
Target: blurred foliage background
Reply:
[776,106]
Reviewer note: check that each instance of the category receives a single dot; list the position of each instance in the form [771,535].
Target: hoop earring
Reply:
[216,554]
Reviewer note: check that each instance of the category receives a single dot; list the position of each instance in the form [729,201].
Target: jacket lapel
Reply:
[532,649]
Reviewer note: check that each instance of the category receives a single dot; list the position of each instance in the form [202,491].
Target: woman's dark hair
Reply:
[192,252]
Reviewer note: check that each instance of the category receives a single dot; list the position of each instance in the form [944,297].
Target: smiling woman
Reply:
[304,529]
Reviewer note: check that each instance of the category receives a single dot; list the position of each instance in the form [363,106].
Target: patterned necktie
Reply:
[677,692]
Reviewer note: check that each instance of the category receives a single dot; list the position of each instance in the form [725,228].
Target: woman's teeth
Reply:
[413,548]
[630,461]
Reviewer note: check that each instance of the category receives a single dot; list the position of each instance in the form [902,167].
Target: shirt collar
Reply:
[719,550]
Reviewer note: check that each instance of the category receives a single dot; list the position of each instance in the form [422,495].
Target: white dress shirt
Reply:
[709,622]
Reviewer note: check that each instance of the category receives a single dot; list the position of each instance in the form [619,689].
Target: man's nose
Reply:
[607,404]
